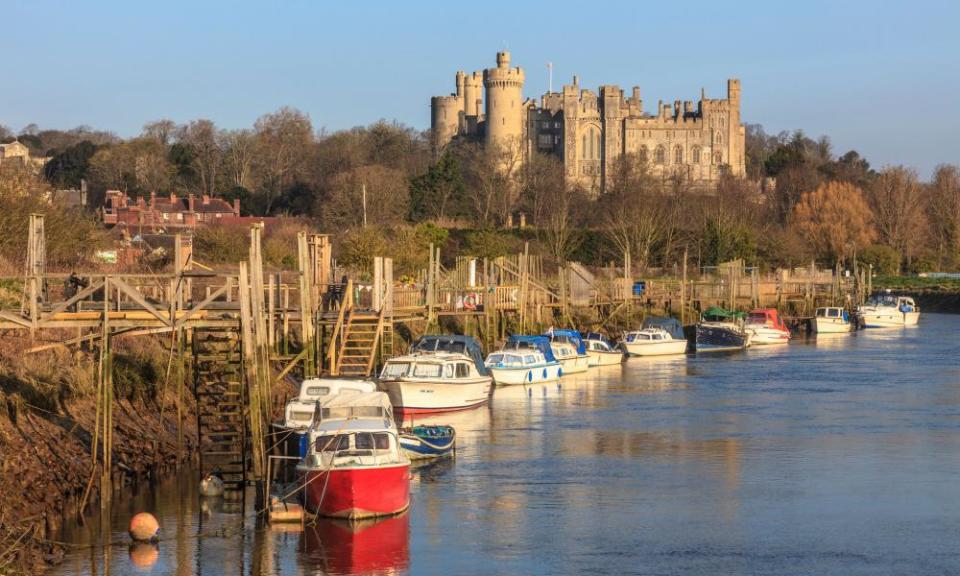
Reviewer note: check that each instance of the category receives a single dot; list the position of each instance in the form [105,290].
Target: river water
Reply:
[829,456]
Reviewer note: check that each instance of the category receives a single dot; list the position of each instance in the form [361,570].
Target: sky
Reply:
[879,77]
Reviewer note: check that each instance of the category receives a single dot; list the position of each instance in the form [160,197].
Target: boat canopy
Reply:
[571,336]
[671,325]
[718,313]
[541,343]
[354,406]
[466,345]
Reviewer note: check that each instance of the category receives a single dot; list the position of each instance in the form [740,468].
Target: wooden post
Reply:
[307,308]
[683,290]
[106,387]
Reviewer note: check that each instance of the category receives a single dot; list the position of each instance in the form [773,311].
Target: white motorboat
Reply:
[435,382]
[889,310]
[298,413]
[658,336]
[569,349]
[767,327]
[524,360]
[832,320]
[601,351]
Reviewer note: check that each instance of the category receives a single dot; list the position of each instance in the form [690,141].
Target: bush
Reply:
[359,247]
[221,244]
[884,259]
[488,243]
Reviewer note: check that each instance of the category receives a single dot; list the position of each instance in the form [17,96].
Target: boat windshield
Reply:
[882,300]
[757,318]
[358,441]
[345,412]
[317,390]
[395,370]
[427,370]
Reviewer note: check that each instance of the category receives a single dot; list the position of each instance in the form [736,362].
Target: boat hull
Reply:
[766,335]
[574,364]
[527,375]
[832,326]
[424,397]
[419,447]
[720,339]
[604,358]
[656,348]
[888,319]
[357,492]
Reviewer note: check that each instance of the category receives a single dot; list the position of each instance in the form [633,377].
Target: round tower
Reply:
[505,112]
[472,94]
[444,119]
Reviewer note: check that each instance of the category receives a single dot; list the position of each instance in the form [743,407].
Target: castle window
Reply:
[678,155]
[718,158]
[545,140]
[597,139]
[660,156]
[643,154]
[695,155]
[583,147]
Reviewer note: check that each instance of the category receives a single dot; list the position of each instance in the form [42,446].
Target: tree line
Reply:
[375,186]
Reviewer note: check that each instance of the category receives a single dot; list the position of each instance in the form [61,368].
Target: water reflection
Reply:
[370,547]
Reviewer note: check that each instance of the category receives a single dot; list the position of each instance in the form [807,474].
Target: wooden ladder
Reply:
[358,345]
[221,406]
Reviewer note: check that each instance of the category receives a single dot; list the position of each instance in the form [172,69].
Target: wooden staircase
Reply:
[221,406]
[359,343]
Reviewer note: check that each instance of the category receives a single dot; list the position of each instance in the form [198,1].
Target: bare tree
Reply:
[631,211]
[561,225]
[283,139]
[160,130]
[943,213]
[539,178]
[201,137]
[238,147]
[898,209]
[835,219]
[386,202]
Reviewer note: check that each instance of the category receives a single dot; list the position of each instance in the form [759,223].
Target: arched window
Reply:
[644,157]
[583,147]
[593,150]
[718,158]
[719,138]
[597,138]
[660,156]
[678,155]
[695,155]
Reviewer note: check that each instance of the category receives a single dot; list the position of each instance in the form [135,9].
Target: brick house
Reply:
[167,211]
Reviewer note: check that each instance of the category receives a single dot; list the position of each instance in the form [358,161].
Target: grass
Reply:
[916,283]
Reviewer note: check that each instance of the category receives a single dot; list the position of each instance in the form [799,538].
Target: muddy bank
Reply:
[47,466]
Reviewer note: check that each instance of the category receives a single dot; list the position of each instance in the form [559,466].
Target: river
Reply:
[832,456]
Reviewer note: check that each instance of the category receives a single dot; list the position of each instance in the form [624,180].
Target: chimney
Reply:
[206,199]
[153,198]
[190,201]
[236,207]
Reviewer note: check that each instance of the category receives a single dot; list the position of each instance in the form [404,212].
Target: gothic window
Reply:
[597,140]
[718,158]
[583,147]
[678,155]
[660,156]
[695,155]
[643,154]
[719,138]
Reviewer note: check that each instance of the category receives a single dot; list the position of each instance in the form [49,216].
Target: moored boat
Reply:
[832,320]
[657,337]
[422,442]
[889,310]
[767,327]
[354,467]
[298,413]
[721,330]
[524,360]
[601,351]
[425,381]
[569,349]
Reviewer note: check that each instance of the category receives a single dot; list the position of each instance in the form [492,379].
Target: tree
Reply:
[68,167]
[561,226]
[201,137]
[835,219]
[283,140]
[943,214]
[160,130]
[387,198]
[895,197]
[631,210]
[486,183]
[439,192]
[238,147]
[540,179]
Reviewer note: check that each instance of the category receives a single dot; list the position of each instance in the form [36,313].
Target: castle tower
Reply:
[505,112]
[736,133]
[444,120]
[473,94]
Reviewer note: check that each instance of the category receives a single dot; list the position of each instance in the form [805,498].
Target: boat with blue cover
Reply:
[422,442]
[524,360]
[569,349]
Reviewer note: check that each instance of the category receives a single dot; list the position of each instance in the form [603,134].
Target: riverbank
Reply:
[931,294]
[47,414]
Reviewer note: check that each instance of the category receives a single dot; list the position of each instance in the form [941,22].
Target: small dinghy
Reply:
[421,442]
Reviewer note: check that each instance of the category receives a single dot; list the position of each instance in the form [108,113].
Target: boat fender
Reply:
[560,372]
[529,375]
[544,373]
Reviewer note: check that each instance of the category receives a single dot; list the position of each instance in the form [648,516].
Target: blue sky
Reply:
[879,77]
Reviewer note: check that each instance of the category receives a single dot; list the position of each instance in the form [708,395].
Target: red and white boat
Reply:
[767,327]
[354,467]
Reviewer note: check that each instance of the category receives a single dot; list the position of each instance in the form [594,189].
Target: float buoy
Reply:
[144,554]
[144,527]
[211,486]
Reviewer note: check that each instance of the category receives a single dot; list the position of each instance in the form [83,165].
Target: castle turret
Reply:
[473,94]
[505,112]
[444,119]
[736,133]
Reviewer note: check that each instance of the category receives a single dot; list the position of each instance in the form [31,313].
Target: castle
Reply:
[589,132]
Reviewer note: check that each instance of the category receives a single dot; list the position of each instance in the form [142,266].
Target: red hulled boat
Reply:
[354,467]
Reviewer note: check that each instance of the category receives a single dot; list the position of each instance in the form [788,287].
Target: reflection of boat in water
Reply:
[359,547]
[526,392]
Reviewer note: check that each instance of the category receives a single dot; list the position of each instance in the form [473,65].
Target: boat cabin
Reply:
[440,366]
[903,303]
[766,317]
[648,335]
[354,430]
[299,411]
[599,345]
[524,359]
[538,343]
[833,313]
[570,337]
[465,345]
